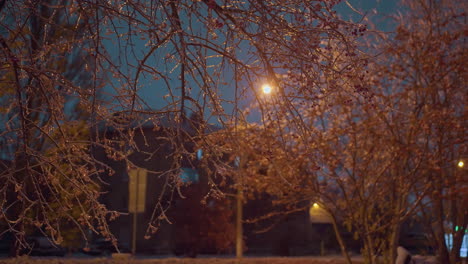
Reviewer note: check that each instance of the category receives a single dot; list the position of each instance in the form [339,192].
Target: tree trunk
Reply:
[393,243]
[340,240]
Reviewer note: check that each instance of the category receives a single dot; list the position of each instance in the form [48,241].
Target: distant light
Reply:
[266,88]
[237,161]
[319,215]
[461,164]
[189,175]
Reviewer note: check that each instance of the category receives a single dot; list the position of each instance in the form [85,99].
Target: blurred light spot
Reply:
[266,88]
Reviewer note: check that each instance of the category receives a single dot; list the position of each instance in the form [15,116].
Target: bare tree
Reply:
[426,69]
[384,146]
[68,67]
[46,85]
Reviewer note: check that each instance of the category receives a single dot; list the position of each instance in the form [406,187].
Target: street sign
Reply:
[137,190]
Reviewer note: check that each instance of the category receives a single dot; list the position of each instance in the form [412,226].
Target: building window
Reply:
[189,175]
[464,246]
[199,154]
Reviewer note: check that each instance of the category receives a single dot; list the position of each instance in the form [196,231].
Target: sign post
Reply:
[136,198]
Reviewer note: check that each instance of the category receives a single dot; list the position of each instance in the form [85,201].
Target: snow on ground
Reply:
[210,260]
[201,260]
[418,259]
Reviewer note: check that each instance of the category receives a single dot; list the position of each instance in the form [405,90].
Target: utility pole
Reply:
[240,203]
[239,230]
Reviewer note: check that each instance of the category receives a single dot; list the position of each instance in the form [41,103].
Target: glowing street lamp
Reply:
[461,164]
[267,89]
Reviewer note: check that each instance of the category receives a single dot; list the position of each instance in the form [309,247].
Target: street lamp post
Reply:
[239,208]
[266,89]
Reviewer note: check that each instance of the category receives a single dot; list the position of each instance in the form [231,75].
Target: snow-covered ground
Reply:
[171,260]
[200,260]
[418,259]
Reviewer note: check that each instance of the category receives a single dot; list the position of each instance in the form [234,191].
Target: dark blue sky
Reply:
[154,92]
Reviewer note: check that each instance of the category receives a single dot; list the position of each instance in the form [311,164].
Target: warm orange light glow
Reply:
[266,88]
[315,205]
[461,164]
